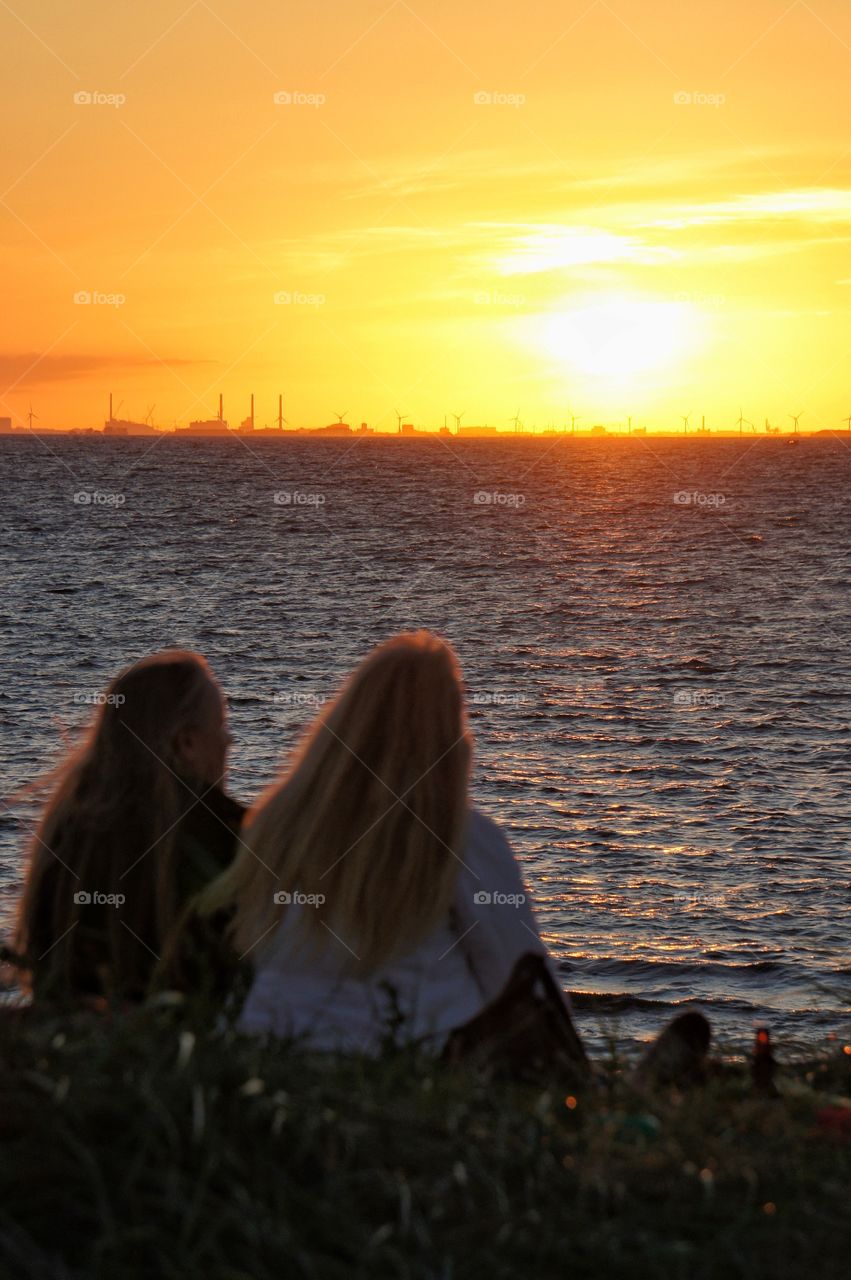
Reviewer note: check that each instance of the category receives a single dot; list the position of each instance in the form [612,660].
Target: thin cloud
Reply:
[30,369]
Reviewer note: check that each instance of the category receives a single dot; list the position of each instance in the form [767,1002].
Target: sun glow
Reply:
[619,337]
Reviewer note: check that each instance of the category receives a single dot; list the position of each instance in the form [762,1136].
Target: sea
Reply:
[654,634]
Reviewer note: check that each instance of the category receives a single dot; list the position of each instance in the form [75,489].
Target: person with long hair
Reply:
[137,823]
[377,905]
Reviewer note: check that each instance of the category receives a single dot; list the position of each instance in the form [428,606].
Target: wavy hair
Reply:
[110,827]
[370,815]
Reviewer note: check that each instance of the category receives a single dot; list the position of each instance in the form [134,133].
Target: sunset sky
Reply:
[627,207]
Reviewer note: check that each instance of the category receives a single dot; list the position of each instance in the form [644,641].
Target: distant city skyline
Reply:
[406,425]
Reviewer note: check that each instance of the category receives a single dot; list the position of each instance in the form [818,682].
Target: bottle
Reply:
[763,1065]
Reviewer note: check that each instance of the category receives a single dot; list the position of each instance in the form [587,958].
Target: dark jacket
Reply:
[207,840]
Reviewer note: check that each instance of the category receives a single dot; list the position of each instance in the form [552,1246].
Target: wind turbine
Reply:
[741,420]
[517,422]
[281,418]
[574,418]
[848,421]
[684,417]
[399,417]
[148,415]
[30,416]
[795,417]
[458,417]
[341,416]
[629,426]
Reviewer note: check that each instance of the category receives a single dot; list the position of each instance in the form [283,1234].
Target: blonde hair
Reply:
[110,827]
[369,817]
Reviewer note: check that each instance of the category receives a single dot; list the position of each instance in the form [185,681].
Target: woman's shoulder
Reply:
[488,860]
[486,838]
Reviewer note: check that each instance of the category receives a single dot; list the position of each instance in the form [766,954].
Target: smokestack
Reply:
[110,406]
[252,411]
[221,408]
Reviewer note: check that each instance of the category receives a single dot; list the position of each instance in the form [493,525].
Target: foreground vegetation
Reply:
[135,1148]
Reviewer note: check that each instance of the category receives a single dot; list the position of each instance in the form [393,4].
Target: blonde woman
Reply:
[376,904]
[136,825]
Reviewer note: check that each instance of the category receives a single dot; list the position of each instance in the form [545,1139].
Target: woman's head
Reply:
[157,744]
[166,709]
[369,818]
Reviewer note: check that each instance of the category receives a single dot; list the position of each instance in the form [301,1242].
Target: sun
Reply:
[618,337]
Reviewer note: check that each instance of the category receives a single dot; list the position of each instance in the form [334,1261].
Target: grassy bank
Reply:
[135,1149]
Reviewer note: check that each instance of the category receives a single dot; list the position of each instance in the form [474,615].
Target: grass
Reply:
[135,1148]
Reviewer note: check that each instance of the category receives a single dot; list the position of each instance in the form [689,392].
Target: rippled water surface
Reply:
[659,687]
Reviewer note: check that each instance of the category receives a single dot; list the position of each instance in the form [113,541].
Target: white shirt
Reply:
[462,966]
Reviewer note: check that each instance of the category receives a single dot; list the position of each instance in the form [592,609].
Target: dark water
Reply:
[660,689]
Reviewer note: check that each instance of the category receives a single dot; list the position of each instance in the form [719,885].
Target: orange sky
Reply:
[479,208]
